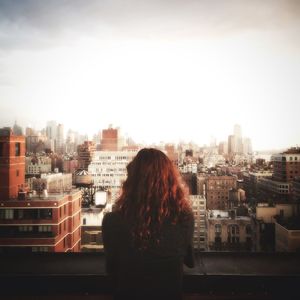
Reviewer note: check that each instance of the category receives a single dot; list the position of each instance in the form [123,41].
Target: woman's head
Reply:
[151,194]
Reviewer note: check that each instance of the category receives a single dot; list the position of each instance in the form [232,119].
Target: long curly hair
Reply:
[152,194]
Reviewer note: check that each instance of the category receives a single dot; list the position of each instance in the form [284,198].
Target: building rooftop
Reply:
[37,198]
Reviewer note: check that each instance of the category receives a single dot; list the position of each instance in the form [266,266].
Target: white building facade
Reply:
[108,169]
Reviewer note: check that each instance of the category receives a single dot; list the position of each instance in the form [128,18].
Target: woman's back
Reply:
[152,272]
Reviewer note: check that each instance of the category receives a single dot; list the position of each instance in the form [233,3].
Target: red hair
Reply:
[151,194]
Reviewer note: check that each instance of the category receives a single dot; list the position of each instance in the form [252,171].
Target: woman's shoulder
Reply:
[111,218]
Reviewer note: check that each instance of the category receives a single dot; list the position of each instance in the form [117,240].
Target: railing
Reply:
[217,275]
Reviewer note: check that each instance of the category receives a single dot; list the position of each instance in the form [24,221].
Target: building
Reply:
[85,154]
[263,224]
[108,170]
[60,139]
[35,141]
[286,166]
[70,165]
[251,180]
[200,231]
[274,188]
[231,144]
[46,218]
[287,235]
[51,133]
[217,191]
[228,232]
[12,163]
[37,165]
[91,230]
[41,223]
[111,140]
[190,180]
[223,148]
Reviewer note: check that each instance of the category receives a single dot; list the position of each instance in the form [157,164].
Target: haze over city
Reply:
[161,70]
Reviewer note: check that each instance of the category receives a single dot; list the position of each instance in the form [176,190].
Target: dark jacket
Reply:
[155,273]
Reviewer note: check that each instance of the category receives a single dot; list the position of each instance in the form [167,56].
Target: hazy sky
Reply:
[160,69]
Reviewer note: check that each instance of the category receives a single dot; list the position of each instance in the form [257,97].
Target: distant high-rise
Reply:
[60,138]
[17,130]
[111,140]
[51,133]
[231,144]
[51,130]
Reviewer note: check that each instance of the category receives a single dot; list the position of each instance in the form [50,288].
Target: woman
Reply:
[148,236]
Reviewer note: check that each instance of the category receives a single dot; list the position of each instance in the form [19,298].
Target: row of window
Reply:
[232,229]
[30,228]
[25,214]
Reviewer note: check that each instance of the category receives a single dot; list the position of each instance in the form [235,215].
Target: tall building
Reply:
[231,144]
[60,139]
[85,154]
[51,130]
[236,143]
[247,146]
[35,220]
[12,163]
[111,140]
[17,130]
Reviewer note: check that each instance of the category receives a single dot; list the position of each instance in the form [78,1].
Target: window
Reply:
[17,173]
[248,229]
[218,229]
[25,228]
[1,149]
[93,238]
[7,214]
[17,149]
[44,228]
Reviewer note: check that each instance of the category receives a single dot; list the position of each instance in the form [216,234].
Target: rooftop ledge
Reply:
[217,275]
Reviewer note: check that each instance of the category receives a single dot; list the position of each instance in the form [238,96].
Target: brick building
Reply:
[286,166]
[110,139]
[217,191]
[34,221]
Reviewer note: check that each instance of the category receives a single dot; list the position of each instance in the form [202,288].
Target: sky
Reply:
[161,70]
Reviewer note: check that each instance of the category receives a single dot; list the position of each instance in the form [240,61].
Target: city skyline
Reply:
[160,70]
